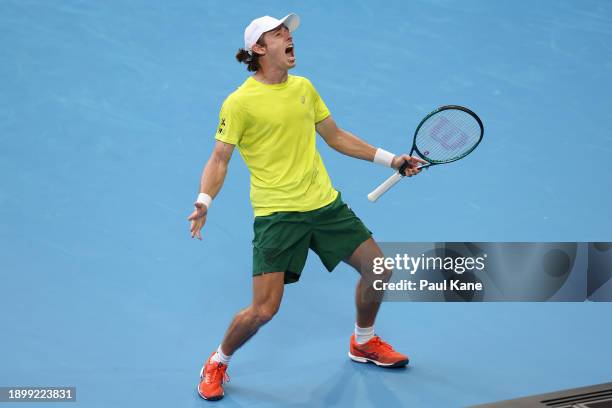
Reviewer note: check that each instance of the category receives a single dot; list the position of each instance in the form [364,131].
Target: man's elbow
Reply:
[218,161]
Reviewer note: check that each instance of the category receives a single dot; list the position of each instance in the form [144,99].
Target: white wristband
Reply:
[383,157]
[204,199]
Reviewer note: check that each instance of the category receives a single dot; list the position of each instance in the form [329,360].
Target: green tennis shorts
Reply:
[282,239]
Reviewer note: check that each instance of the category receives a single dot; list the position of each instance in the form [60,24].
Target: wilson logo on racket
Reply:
[449,136]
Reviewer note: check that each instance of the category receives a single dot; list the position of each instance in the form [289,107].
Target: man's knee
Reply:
[385,276]
[370,273]
[264,313]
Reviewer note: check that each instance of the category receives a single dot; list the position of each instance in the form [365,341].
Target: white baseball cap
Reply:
[266,23]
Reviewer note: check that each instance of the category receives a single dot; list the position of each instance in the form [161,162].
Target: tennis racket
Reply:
[447,134]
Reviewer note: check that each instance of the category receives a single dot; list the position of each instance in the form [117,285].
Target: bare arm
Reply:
[344,142]
[216,169]
[347,143]
[211,182]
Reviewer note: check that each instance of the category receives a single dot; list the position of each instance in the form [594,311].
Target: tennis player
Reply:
[272,119]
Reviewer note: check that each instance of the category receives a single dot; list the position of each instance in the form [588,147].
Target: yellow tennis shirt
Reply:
[273,127]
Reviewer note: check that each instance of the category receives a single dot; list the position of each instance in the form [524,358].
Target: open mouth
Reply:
[289,51]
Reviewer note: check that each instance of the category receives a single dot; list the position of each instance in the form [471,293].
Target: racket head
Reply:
[447,134]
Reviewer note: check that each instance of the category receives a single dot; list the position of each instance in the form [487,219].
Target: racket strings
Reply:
[448,135]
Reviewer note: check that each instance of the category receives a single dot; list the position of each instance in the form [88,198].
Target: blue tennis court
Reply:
[108,112]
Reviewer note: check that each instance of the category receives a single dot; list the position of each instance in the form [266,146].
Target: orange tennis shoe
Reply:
[376,351]
[212,377]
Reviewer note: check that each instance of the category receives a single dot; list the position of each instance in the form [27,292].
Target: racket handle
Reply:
[386,185]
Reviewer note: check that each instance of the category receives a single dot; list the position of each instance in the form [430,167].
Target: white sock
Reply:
[219,357]
[363,334]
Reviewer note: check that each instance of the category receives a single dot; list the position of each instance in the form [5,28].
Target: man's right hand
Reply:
[413,164]
[198,219]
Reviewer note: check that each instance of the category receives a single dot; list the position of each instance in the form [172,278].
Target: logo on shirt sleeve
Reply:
[303,99]
[221,126]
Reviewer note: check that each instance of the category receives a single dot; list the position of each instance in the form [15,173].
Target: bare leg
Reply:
[267,294]
[367,299]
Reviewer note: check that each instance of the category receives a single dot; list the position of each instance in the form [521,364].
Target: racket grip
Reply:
[385,185]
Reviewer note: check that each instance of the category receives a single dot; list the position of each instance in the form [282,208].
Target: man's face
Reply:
[279,47]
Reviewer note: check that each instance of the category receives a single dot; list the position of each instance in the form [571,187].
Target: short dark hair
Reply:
[252,61]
